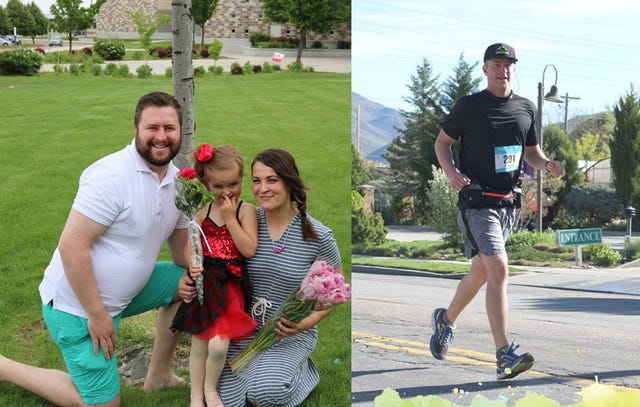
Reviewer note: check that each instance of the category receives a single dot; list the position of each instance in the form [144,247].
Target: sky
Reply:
[594,46]
[44,5]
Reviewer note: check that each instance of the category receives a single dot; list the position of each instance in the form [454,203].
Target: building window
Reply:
[233,31]
[246,31]
[288,31]
[259,16]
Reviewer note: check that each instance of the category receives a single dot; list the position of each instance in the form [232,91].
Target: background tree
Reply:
[5,22]
[20,18]
[557,146]
[443,215]
[182,65]
[41,23]
[202,11]
[590,148]
[462,83]
[359,173]
[307,15]
[412,152]
[147,26]
[625,147]
[70,17]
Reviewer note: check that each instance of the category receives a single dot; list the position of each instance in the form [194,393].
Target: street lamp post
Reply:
[552,96]
[566,98]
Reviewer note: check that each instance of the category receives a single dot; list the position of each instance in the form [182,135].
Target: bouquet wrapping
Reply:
[321,288]
[191,195]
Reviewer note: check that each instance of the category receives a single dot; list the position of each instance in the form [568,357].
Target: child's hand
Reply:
[228,207]
[195,270]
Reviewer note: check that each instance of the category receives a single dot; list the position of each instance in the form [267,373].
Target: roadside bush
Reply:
[366,228]
[87,51]
[257,37]
[137,55]
[236,69]
[96,69]
[199,72]
[216,70]
[74,69]
[57,68]
[595,203]
[168,73]
[266,67]
[20,61]
[204,52]
[631,250]
[443,202]
[144,72]
[601,255]
[110,49]
[316,45]
[122,71]
[110,68]
[247,68]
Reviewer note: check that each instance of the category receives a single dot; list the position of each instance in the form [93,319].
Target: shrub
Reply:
[74,69]
[96,69]
[110,49]
[122,71]
[258,37]
[257,68]
[631,249]
[168,73]
[266,67]
[316,45]
[216,70]
[596,203]
[204,52]
[87,51]
[215,48]
[40,51]
[247,68]
[57,68]
[199,72]
[20,61]
[443,201]
[137,55]
[144,72]
[110,68]
[366,228]
[236,69]
[601,255]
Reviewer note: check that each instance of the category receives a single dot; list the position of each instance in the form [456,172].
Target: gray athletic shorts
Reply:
[485,230]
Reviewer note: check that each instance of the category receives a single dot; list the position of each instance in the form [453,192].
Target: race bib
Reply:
[507,158]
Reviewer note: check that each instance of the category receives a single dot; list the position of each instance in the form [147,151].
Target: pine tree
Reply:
[625,147]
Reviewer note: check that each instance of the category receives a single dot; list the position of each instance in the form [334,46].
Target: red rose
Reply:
[188,173]
[205,153]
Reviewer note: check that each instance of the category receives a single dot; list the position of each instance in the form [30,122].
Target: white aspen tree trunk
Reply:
[182,65]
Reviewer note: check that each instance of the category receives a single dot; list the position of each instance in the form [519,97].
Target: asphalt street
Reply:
[580,325]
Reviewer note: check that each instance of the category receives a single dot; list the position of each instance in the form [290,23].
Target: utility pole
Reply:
[566,98]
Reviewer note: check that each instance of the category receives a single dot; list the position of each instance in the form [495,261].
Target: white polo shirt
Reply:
[120,192]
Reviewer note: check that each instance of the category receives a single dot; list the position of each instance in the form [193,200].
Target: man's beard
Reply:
[145,152]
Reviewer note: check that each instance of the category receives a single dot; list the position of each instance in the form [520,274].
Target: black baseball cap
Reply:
[500,50]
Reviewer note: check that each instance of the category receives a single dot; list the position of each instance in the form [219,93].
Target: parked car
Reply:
[57,40]
[6,41]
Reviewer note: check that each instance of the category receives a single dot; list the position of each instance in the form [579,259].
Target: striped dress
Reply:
[284,374]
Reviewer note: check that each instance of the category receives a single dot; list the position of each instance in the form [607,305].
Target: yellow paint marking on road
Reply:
[457,355]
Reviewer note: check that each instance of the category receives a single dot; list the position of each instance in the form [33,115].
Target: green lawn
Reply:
[56,125]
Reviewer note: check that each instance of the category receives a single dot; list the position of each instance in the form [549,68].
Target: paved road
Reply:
[576,330]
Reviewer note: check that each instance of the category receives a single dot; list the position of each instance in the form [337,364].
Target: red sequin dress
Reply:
[226,286]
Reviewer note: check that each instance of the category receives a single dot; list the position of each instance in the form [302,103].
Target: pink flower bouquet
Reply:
[322,288]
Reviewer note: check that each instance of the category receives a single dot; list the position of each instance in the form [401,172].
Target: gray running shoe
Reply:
[442,334]
[510,364]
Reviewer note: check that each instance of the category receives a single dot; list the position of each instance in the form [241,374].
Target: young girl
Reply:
[231,230]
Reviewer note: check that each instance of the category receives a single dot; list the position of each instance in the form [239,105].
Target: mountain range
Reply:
[378,126]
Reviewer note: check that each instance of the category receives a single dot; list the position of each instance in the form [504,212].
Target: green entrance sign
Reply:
[578,237]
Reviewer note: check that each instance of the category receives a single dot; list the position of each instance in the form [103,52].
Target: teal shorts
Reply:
[97,378]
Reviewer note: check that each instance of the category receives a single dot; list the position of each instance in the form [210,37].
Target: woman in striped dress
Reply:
[289,241]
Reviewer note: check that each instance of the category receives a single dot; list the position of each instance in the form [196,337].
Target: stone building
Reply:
[233,19]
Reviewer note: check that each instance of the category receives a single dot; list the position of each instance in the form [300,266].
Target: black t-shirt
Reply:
[492,132]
